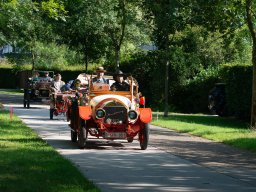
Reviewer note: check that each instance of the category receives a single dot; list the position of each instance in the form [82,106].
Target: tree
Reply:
[98,30]
[122,21]
[25,23]
[168,17]
[228,16]
[250,19]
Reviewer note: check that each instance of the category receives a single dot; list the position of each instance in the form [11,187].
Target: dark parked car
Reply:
[217,100]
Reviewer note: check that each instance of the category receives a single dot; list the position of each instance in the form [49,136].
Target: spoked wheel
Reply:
[51,113]
[82,135]
[144,137]
[26,104]
[73,136]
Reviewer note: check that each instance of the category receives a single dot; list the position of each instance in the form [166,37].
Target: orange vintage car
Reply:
[110,115]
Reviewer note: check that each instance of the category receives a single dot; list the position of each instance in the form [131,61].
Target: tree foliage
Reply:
[191,36]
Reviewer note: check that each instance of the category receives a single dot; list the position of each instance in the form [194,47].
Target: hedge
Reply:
[190,98]
[10,79]
[238,79]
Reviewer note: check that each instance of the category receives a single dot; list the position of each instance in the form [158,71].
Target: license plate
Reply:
[116,135]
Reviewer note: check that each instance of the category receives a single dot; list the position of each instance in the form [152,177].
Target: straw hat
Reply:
[100,70]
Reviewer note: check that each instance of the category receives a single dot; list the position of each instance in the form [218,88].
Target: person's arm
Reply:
[53,87]
[113,87]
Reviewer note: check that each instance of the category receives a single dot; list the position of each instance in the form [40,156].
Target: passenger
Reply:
[57,84]
[46,77]
[100,76]
[119,84]
[76,85]
[35,76]
[67,86]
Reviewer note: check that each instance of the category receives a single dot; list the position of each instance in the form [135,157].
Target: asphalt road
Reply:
[121,166]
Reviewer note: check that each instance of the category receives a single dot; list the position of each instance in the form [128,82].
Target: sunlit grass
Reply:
[226,130]
[11,91]
[27,163]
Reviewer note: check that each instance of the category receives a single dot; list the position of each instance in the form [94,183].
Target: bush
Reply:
[238,79]
[192,97]
[8,78]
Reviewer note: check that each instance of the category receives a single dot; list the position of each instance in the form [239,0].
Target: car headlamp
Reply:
[132,114]
[100,113]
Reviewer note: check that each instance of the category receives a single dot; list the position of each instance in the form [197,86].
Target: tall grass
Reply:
[27,163]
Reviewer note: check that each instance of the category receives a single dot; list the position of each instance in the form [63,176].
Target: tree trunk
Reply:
[249,19]
[166,90]
[253,107]
[33,61]
[86,62]
[117,55]
[86,54]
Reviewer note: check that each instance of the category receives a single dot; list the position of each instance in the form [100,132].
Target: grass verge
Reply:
[27,163]
[11,91]
[226,130]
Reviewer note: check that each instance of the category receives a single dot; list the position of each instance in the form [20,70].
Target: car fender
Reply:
[145,115]
[85,112]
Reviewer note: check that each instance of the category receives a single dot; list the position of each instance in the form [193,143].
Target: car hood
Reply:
[96,100]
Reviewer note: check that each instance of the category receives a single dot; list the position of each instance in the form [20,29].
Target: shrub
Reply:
[192,97]
[238,79]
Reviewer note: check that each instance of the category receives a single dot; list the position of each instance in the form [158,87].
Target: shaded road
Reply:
[173,162]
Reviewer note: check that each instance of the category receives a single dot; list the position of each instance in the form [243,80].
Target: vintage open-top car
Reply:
[61,100]
[37,87]
[59,103]
[111,115]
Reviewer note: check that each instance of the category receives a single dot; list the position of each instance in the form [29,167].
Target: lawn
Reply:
[226,130]
[11,91]
[27,163]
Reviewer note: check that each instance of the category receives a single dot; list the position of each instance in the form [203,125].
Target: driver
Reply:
[46,77]
[119,84]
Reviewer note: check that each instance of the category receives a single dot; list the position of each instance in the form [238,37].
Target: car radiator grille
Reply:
[115,114]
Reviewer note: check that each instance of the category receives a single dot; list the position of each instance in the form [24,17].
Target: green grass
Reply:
[227,130]
[11,91]
[27,163]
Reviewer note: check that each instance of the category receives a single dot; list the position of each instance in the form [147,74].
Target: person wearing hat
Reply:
[100,76]
[120,84]
[47,77]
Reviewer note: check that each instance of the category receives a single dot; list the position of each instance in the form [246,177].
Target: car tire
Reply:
[51,113]
[28,104]
[82,135]
[144,137]
[73,136]
[130,139]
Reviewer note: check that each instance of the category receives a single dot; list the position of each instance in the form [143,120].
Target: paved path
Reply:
[173,162]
